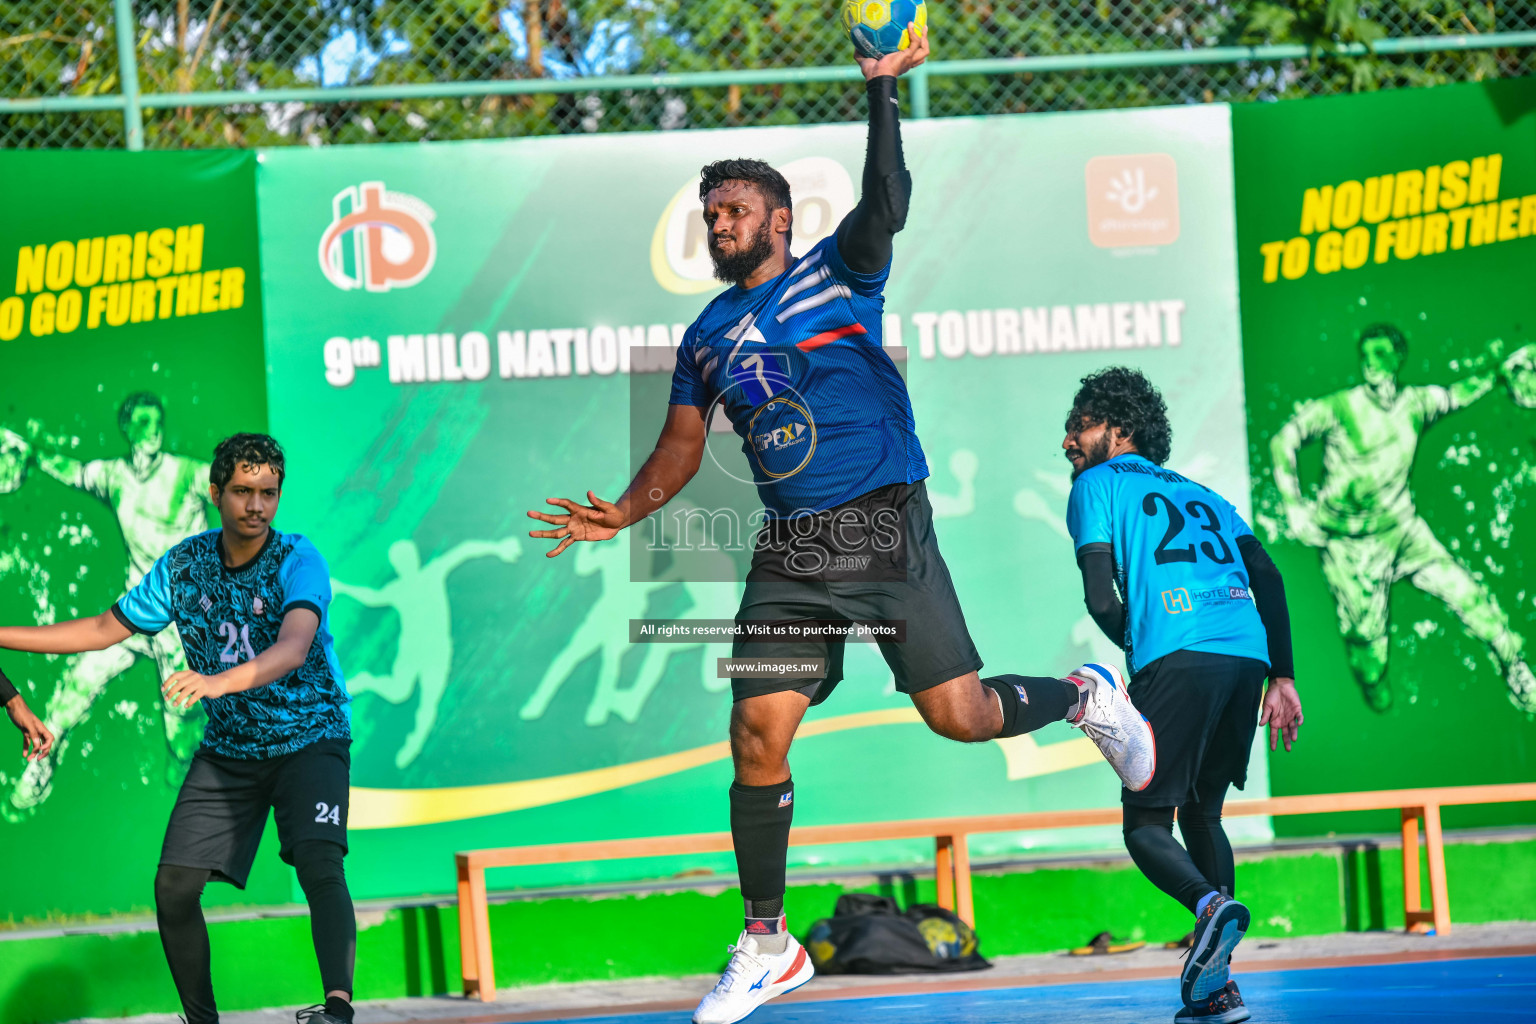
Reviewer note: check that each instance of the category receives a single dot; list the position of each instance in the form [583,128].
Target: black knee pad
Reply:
[1200,815]
[178,887]
[1135,817]
[318,862]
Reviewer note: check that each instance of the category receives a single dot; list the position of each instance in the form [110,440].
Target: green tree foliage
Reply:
[51,48]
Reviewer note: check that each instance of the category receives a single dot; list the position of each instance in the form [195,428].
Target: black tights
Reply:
[1186,875]
[184,933]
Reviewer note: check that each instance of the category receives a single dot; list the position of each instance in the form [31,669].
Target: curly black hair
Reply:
[1122,397]
[772,185]
[245,450]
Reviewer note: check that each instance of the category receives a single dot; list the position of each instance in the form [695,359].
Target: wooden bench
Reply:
[952,861]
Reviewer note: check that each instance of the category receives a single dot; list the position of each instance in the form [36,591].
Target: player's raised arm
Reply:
[864,236]
[672,463]
[96,633]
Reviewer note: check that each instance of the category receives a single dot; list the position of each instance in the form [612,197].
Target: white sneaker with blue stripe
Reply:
[751,979]
[1120,732]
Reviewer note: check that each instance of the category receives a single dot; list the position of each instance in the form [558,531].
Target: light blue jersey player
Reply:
[1173,575]
[251,605]
[1176,548]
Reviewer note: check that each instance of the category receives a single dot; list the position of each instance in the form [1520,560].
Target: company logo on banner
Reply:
[377,240]
[1133,200]
[822,192]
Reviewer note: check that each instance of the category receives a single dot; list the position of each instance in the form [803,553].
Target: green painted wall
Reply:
[415,951]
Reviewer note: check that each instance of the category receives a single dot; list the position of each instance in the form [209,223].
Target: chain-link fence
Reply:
[53,49]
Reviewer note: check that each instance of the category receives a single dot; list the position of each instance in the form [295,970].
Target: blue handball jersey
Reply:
[797,366]
[227,616]
[1174,543]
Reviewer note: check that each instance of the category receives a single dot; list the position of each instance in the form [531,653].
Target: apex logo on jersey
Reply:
[780,437]
[1176,601]
[377,239]
[819,186]
[789,426]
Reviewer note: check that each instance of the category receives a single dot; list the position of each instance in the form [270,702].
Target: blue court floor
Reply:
[1449,991]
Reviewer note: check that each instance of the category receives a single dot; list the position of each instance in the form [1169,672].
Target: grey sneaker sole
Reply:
[1209,960]
[1232,1016]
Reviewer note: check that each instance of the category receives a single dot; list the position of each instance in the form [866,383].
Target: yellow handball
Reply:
[879,27]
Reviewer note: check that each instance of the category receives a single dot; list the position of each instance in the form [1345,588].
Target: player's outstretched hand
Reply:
[36,740]
[1282,712]
[900,62]
[185,688]
[598,521]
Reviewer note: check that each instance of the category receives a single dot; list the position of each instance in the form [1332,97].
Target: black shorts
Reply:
[1203,709]
[904,580]
[222,807]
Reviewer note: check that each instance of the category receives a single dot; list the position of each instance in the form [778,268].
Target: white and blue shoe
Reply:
[751,979]
[1121,733]
[1218,930]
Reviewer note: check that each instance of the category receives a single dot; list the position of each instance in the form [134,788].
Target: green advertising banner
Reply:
[130,343]
[457,332]
[1388,314]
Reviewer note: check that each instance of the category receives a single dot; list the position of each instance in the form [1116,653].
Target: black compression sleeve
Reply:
[1269,596]
[7,691]
[1097,562]
[864,236]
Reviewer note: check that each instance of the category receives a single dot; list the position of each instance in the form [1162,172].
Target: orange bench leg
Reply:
[468,967]
[1439,898]
[944,869]
[1415,918]
[963,905]
[484,970]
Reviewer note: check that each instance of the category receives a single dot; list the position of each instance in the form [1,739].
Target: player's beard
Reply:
[1093,456]
[737,267]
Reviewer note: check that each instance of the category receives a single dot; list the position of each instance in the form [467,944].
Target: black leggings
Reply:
[1186,875]
[184,933]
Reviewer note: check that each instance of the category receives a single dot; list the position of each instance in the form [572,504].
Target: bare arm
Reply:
[96,633]
[294,638]
[672,463]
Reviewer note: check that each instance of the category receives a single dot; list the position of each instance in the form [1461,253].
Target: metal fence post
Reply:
[919,78]
[128,73]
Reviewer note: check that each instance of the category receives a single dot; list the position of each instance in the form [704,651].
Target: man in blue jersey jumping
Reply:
[251,605]
[791,354]
[1200,613]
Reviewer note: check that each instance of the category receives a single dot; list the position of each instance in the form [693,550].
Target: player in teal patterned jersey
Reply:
[1173,575]
[251,605]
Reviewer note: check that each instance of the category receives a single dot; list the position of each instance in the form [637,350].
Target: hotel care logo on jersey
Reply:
[819,186]
[1133,200]
[377,240]
[66,285]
